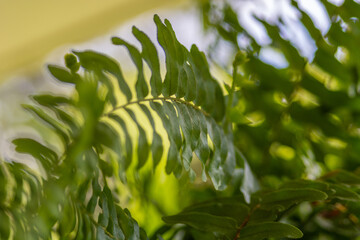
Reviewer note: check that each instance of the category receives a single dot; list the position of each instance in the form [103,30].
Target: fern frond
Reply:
[189,102]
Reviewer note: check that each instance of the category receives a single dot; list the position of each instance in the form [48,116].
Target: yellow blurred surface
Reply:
[29,29]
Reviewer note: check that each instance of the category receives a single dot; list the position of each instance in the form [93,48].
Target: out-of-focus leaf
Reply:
[128,225]
[284,198]
[143,235]
[226,207]
[71,62]
[342,176]
[318,185]
[269,230]
[128,141]
[94,61]
[250,184]
[68,221]
[268,76]
[113,227]
[104,216]
[54,103]
[106,135]
[51,100]
[5,226]
[61,74]
[204,222]
[92,204]
[330,64]
[49,120]
[289,51]
[318,118]
[262,215]
[344,193]
[326,97]
[45,155]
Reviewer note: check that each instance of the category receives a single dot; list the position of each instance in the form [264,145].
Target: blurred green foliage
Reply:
[275,157]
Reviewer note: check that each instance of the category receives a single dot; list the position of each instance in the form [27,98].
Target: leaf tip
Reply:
[157,19]
[116,40]
[134,29]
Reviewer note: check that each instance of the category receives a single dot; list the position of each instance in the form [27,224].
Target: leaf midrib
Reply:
[173,99]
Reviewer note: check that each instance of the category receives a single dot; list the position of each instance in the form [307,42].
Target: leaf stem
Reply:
[245,222]
[173,99]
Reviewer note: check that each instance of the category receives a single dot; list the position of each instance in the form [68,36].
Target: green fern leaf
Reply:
[141,87]
[97,62]
[150,56]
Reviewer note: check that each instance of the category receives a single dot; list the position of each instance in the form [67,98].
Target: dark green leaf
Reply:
[313,184]
[344,193]
[150,56]
[173,160]
[68,222]
[343,176]
[167,42]
[214,103]
[289,51]
[62,74]
[5,226]
[106,135]
[269,230]
[46,156]
[71,62]
[326,97]
[156,145]
[97,62]
[128,225]
[104,216]
[48,100]
[269,77]
[100,233]
[107,82]
[128,141]
[284,198]
[330,64]
[225,207]
[156,149]
[113,226]
[191,87]
[92,204]
[204,222]
[202,149]
[49,120]
[186,127]
[143,145]
[141,86]
[169,110]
